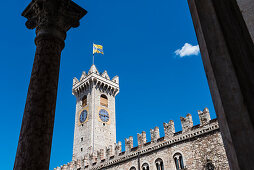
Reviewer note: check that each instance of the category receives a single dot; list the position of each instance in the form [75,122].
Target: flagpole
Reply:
[94,105]
[93,54]
[93,59]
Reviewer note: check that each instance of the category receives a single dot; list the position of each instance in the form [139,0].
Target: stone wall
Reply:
[94,134]
[198,145]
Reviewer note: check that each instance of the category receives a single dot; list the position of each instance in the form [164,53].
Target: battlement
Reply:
[93,77]
[186,122]
[169,129]
[110,155]
[128,144]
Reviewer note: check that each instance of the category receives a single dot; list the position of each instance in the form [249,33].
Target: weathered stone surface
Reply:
[51,19]
[38,119]
[227,52]
[247,8]
[95,133]
[200,145]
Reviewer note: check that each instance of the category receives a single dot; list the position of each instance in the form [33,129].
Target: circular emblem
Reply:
[104,116]
[83,116]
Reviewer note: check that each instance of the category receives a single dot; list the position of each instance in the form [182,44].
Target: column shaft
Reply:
[38,120]
[52,19]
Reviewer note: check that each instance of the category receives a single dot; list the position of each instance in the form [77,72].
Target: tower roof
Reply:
[105,75]
[93,69]
[94,76]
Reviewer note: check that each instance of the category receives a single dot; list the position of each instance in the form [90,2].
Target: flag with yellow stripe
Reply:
[97,49]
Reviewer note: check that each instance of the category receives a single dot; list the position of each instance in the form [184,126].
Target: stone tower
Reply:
[95,125]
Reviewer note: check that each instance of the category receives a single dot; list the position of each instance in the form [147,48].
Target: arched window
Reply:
[159,164]
[104,100]
[84,101]
[133,168]
[178,161]
[145,166]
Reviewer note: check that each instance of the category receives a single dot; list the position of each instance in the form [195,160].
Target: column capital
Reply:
[53,17]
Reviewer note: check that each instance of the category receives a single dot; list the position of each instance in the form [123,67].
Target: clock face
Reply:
[104,116]
[83,116]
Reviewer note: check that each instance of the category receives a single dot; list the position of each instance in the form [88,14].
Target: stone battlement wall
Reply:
[113,155]
[93,69]
[93,77]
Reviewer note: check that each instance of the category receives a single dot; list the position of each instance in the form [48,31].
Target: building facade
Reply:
[197,147]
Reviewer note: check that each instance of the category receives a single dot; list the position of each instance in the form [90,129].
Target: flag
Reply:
[97,49]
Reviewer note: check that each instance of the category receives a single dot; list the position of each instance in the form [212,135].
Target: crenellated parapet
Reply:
[118,148]
[186,122]
[109,151]
[204,116]
[128,144]
[82,76]
[73,165]
[105,75]
[93,77]
[114,155]
[93,157]
[169,129]
[155,134]
[141,139]
[115,79]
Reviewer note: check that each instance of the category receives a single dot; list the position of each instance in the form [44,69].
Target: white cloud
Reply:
[187,50]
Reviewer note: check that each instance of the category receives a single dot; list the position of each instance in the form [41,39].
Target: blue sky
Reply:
[139,39]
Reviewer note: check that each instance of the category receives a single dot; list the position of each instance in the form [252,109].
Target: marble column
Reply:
[52,19]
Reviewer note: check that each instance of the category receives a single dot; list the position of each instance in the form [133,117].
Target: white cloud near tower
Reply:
[187,50]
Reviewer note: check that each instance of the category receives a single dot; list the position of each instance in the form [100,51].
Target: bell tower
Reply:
[95,125]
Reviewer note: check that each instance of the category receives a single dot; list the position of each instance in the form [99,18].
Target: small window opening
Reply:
[103,124]
[84,101]
[104,100]
[145,166]
[81,149]
[159,164]
[81,139]
[178,158]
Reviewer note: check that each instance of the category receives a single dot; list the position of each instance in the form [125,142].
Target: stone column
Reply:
[52,19]
[227,52]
